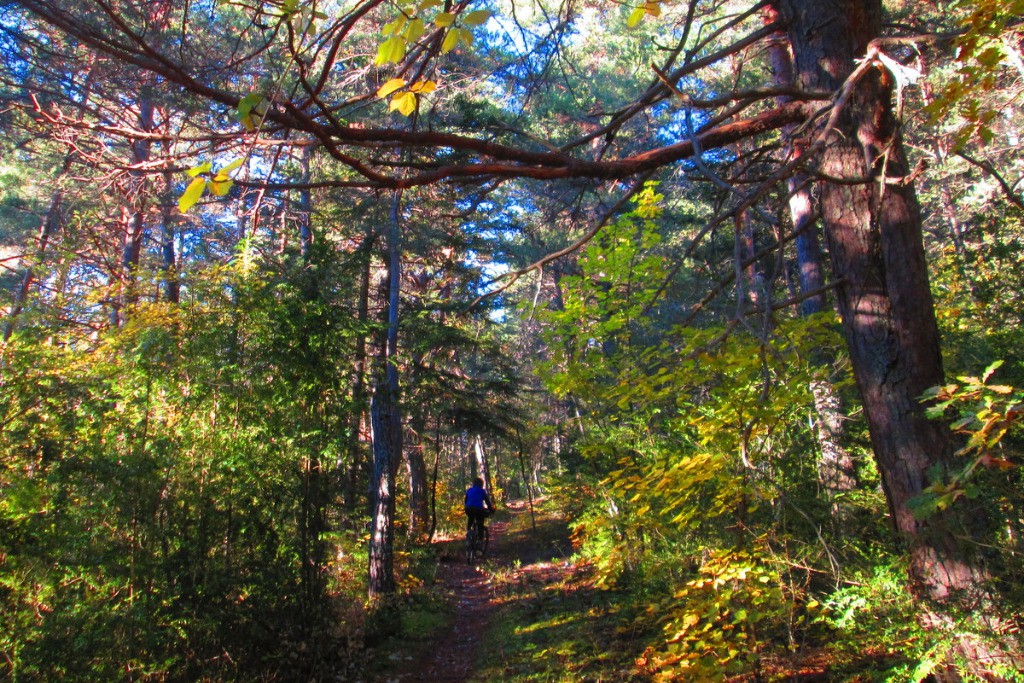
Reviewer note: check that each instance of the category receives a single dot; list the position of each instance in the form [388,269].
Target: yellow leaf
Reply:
[393,28]
[415,30]
[423,87]
[476,18]
[391,50]
[405,103]
[191,194]
[451,41]
[444,19]
[232,166]
[201,168]
[427,4]
[390,87]
[220,185]
[465,36]
[636,16]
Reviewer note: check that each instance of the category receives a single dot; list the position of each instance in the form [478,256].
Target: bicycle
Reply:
[478,538]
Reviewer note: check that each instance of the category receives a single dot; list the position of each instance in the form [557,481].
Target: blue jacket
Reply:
[476,496]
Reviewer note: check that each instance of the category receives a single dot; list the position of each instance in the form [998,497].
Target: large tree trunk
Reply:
[133,217]
[875,242]
[386,421]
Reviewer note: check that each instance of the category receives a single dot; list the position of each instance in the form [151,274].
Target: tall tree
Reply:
[386,421]
[873,228]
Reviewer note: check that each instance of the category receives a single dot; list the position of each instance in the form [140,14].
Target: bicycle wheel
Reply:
[485,540]
[471,544]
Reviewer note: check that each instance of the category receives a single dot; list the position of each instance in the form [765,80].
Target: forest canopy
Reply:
[733,287]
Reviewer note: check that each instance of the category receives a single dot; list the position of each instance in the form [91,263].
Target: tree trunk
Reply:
[305,207]
[419,496]
[133,218]
[875,242]
[526,480]
[433,481]
[836,470]
[419,484]
[480,466]
[47,227]
[386,421]
[355,458]
[169,266]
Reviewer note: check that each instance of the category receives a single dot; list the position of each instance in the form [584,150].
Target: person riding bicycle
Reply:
[478,505]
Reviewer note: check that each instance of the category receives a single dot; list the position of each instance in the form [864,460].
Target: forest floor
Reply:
[528,612]
[532,612]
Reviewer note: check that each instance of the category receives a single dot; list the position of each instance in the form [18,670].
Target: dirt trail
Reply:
[452,656]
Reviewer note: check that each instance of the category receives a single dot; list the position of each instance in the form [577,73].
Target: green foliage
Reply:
[985,415]
[984,48]
[978,291]
[170,521]
[876,607]
[694,481]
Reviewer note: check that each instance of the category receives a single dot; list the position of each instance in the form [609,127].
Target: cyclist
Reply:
[478,506]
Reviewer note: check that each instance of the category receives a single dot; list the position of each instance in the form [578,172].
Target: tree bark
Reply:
[169,265]
[419,496]
[836,470]
[356,462]
[386,421]
[305,207]
[480,466]
[875,243]
[49,225]
[133,216]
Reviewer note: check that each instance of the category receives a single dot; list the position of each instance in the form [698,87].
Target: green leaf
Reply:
[427,4]
[444,19]
[191,194]
[990,370]
[247,103]
[465,36]
[476,18]
[991,57]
